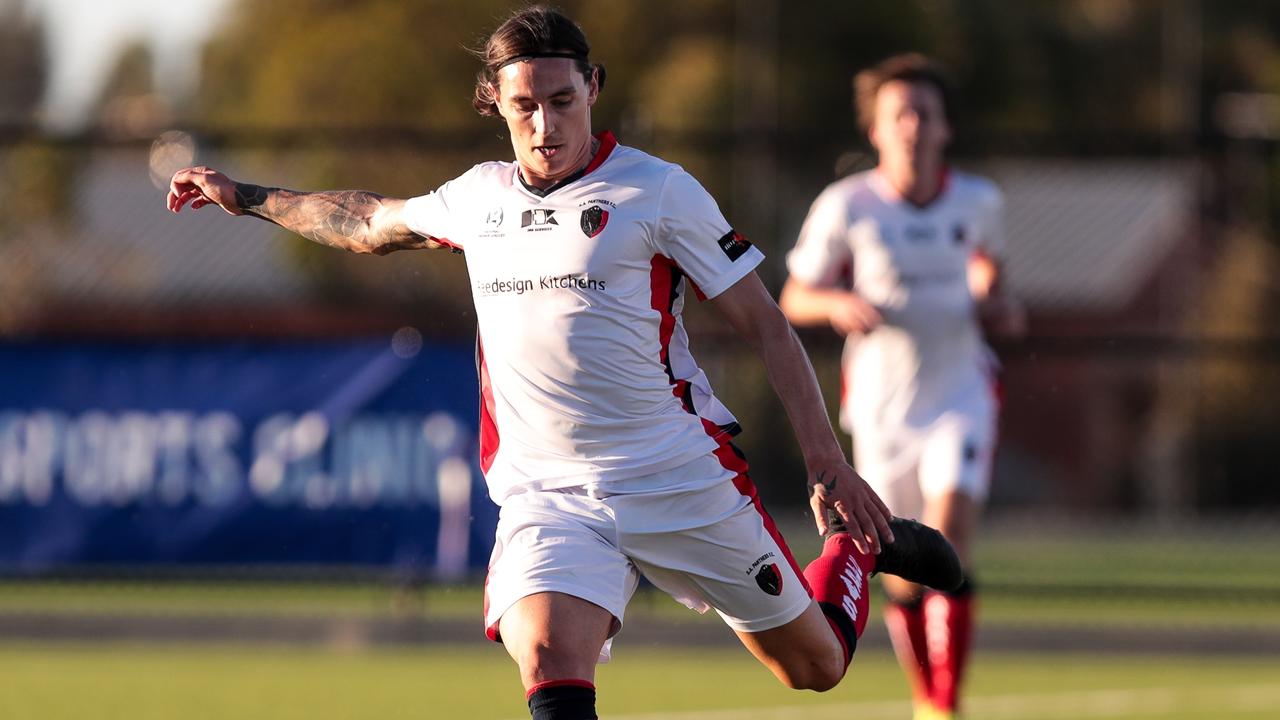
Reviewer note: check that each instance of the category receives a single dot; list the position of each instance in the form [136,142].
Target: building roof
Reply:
[1088,235]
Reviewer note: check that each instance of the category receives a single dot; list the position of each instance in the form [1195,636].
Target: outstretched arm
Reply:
[355,220]
[832,482]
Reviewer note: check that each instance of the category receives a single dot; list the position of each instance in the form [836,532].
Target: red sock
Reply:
[906,629]
[839,582]
[948,623]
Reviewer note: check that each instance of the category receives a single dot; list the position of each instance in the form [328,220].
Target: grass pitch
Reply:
[66,682]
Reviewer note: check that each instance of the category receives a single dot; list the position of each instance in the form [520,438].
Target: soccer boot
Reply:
[919,554]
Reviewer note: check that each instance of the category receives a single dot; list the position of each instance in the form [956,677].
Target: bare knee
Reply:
[544,659]
[819,672]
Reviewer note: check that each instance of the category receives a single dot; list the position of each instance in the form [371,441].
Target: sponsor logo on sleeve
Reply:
[734,245]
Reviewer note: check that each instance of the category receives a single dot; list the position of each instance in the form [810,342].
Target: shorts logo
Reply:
[537,218]
[594,219]
[958,234]
[769,579]
[734,245]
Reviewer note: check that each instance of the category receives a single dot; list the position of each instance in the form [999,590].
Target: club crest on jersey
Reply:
[537,218]
[593,220]
[734,245]
[494,218]
[769,579]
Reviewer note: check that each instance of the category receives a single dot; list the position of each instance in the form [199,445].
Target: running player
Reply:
[902,260]
[600,437]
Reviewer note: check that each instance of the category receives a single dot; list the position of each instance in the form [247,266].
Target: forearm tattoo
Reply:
[339,218]
[821,479]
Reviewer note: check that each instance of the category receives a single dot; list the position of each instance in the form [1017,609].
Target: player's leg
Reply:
[954,477]
[838,578]
[802,625]
[813,651]
[556,592]
[890,466]
[555,639]
[949,616]
[716,547]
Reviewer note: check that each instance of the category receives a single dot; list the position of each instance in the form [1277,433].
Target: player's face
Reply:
[547,106]
[910,125]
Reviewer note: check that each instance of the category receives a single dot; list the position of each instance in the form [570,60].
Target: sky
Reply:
[85,38]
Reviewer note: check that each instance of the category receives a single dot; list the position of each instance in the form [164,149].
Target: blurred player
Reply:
[600,437]
[903,261]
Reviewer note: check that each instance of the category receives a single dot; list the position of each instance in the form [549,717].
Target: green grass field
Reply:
[1088,580]
[56,682]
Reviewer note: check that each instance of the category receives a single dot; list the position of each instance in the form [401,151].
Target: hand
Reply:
[854,316]
[842,490]
[202,186]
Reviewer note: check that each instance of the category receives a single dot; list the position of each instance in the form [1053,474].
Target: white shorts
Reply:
[710,547]
[907,466]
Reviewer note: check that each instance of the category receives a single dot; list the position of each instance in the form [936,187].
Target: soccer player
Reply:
[903,261]
[600,438]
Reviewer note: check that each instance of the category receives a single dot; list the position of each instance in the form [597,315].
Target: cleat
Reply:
[919,554]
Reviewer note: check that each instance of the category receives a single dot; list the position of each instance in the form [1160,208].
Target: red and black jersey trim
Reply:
[489,438]
[666,280]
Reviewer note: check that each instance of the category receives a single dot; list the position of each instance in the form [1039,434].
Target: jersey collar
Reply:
[607,143]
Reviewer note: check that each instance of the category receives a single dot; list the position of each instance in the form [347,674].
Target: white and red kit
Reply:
[918,391]
[596,423]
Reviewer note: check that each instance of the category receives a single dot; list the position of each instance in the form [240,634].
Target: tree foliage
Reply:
[23,67]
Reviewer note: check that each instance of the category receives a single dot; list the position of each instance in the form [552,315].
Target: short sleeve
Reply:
[822,255]
[435,214]
[691,230]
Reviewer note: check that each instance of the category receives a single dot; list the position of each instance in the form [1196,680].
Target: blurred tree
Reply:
[23,64]
[128,105]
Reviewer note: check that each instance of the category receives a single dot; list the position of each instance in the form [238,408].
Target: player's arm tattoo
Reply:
[338,218]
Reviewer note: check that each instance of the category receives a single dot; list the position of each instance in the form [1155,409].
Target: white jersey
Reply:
[585,372]
[910,263]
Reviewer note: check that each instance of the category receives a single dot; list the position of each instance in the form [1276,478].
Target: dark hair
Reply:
[530,31]
[910,68]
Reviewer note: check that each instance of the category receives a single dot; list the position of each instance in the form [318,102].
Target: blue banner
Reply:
[337,453]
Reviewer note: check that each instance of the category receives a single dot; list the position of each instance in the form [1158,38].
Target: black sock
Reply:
[563,700]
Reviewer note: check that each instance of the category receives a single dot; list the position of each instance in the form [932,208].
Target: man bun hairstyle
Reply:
[531,32]
[909,68]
